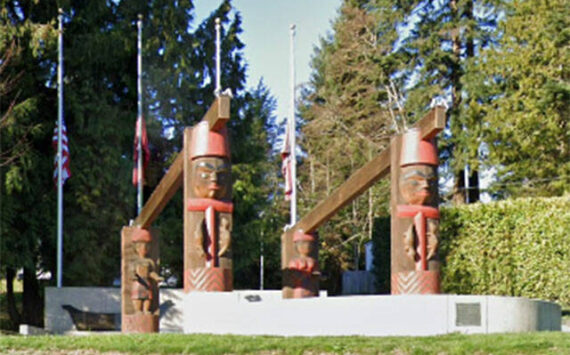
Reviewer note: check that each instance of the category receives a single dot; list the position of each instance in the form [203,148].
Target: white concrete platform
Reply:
[265,313]
[104,300]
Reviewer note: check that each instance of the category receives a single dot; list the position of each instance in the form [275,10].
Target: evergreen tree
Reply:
[26,165]
[442,38]
[524,94]
[347,121]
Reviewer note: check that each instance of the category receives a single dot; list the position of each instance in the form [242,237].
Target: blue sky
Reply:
[266,37]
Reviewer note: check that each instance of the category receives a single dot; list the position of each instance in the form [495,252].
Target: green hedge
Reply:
[515,247]
[512,248]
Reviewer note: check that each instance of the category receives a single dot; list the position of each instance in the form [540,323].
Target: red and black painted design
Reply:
[210,279]
[416,282]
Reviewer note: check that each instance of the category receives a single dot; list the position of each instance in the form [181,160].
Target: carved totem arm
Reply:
[199,239]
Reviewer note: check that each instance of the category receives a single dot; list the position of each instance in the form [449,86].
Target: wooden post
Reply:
[132,320]
[207,203]
[414,215]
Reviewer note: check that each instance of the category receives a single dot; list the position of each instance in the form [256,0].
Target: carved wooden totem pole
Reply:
[303,269]
[139,289]
[415,215]
[208,207]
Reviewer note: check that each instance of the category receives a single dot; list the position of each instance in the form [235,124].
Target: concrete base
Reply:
[26,329]
[104,300]
[264,313]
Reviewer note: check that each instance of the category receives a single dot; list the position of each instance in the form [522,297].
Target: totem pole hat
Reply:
[141,235]
[416,150]
[300,236]
[206,143]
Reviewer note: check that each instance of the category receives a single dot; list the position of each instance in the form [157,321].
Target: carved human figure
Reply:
[208,256]
[143,273]
[418,189]
[225,236]
[304,265]
[210,183]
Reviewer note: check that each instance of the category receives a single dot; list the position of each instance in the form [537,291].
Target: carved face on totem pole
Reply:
[142,249]
[211,177]
[418,174]
[211,171]
[418,184]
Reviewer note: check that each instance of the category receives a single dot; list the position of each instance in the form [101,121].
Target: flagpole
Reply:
[292,129]
[218,59]
[59,150]
[139,118]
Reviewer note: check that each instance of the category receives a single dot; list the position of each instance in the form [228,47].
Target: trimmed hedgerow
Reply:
[514,248]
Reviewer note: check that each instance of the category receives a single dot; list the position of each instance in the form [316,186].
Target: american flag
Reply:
[145,151]
[65,172]
[286,165]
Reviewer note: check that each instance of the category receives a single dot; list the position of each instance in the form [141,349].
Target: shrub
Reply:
[514,248]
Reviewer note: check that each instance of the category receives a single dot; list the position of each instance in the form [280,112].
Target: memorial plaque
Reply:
[468,314]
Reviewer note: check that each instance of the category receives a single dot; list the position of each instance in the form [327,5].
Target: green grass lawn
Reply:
[529,343]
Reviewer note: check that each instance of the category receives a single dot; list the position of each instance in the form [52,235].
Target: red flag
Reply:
[65,172]
[145,151]
[286,165]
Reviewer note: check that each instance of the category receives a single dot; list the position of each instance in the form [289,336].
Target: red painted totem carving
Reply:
[415,263]
[208,259]
[304,267]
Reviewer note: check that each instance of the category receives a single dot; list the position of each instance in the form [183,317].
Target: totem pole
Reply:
[303,268]
[139,289]
[415,215]
[208,208]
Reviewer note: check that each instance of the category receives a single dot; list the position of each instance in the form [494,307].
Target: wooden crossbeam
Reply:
[167,187]
[358,182]
[218,114]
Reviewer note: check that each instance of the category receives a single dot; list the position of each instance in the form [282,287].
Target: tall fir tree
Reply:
[439,40]
[523,86]
[347,120]
[27,111]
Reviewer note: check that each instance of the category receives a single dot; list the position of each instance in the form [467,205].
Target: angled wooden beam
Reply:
[432,123]
[219,113]
[167,187]
[364,177]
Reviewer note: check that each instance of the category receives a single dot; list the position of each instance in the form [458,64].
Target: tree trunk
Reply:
[11,299]
[473,192]
[458,197]
[473,181]
[32,304]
